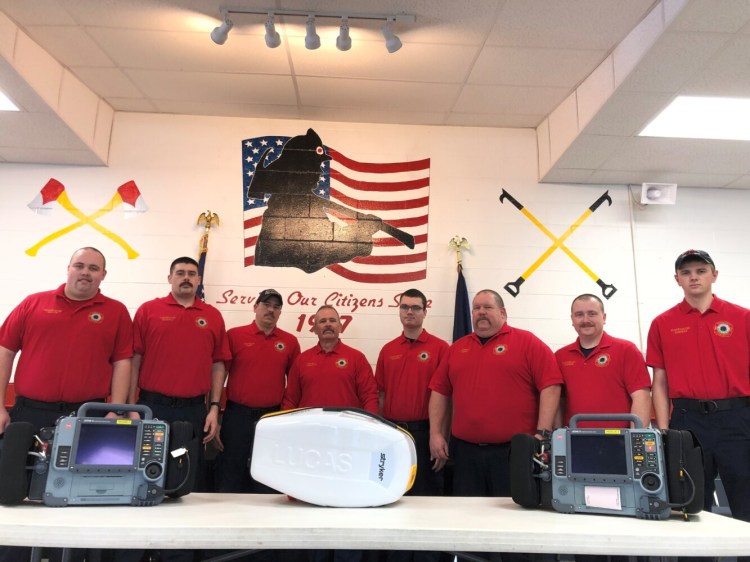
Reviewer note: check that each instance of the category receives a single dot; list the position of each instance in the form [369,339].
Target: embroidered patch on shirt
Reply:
[723,329]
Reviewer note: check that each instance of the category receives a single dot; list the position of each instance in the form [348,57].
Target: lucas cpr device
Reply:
[339,457]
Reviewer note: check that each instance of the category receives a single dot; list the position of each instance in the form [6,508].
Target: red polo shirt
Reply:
[67,347]
[602,382]
[403,373]
[260,363]
[706,356]
[339,378]
[495,386]
[179,346]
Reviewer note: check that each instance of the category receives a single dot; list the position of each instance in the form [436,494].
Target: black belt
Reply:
[250,410]
[53,406]
[491,445]
[418,425]
[173,401]
[711,406]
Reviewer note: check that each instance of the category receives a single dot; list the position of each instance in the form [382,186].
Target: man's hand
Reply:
[4,419]
[438,451]
[217,441]
[211,427]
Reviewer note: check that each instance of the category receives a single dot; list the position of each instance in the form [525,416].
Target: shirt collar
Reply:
[197,303]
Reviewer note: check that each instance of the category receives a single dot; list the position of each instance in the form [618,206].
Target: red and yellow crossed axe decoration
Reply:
[54,191]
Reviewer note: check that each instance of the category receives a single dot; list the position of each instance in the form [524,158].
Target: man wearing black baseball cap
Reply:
[700,353]
[262,355]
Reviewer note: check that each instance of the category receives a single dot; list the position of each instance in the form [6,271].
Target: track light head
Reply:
[219,34]
[273,39]
[392,42]
[343,41]
[312,39]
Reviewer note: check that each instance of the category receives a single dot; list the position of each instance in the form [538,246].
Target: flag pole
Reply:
[207,219]
[462,314]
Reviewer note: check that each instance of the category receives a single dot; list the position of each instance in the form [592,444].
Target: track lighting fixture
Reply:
[273,39]
[312,39]
[219,34]
[343,41]
[392,42]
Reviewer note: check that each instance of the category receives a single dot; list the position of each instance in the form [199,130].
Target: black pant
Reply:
[238,436]
[725,439]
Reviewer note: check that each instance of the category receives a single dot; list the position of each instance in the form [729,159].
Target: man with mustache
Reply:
[602,374]
[262,355]
[330,374]
[700,353]
[180,346]
[500,381]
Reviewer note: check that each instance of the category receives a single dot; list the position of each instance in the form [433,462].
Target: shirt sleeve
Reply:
[546,372]
[367,390]
[380,371]
[440,382]
[654,355]
[635,370]
[293,392]
[11,332]
[123,348]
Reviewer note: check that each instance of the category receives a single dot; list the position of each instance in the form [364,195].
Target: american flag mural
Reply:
[396,192]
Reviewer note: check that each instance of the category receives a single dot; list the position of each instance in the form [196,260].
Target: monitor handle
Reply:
[145,411]
[635,420]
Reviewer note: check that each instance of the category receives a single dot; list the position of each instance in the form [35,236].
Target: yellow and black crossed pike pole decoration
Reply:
[514,287]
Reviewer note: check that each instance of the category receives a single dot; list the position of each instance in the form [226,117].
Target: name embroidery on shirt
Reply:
[680,330]
[52,310]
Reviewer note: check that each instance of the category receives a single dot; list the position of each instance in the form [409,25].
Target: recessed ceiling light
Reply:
[693,117]
[6,104]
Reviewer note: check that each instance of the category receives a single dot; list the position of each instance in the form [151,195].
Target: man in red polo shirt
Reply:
[700,354]
[76,346]
[262,355]
[403,372]
[501,381]
[330,374]
[602,374]
[180,347]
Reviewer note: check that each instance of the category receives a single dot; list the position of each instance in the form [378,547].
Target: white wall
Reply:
[186,165]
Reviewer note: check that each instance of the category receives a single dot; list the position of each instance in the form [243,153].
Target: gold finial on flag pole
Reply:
[458,243]
[208,218]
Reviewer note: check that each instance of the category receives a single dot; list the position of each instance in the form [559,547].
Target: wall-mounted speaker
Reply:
[658,193]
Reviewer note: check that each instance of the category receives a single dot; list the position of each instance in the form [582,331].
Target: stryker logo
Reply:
[381,467]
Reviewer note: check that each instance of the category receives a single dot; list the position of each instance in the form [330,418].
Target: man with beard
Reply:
[180,346]
[262,355]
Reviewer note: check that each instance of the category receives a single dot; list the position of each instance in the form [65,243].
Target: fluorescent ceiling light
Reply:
[6,104]
[702,118]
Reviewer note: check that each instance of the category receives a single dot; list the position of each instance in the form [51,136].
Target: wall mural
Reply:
[514,287]
[127,194]
[308,206]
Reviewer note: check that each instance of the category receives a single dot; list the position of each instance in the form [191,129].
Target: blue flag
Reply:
[462,315]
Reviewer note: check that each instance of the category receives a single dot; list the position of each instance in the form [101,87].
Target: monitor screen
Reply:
[597,453]
[106,444]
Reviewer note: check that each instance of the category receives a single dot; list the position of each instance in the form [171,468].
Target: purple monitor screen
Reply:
[106,444]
